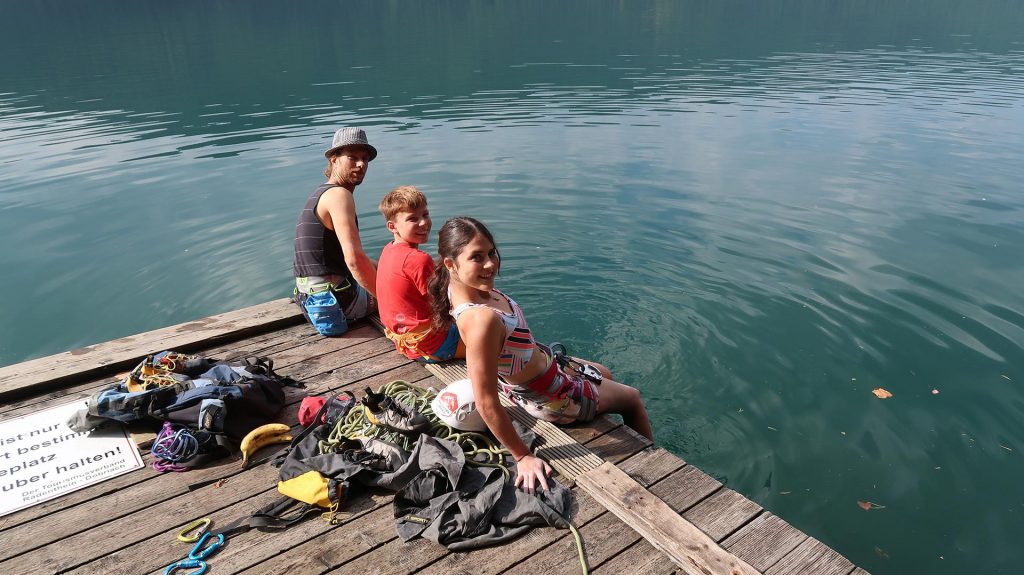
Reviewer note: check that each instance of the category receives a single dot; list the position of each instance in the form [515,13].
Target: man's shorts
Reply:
[556,396]
[354,301]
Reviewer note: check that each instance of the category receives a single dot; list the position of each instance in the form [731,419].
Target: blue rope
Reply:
[175,446]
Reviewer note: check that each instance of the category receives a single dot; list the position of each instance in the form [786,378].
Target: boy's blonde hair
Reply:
[402,199]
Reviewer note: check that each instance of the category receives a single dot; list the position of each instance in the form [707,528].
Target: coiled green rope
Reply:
[480,449]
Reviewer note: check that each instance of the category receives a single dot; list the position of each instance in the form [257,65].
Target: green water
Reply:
[757,212]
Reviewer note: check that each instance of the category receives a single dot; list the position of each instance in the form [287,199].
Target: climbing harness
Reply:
[566,362]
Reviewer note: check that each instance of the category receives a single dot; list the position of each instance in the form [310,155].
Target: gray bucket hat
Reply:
[350,137]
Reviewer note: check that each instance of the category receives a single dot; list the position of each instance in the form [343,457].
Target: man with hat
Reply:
[335,281]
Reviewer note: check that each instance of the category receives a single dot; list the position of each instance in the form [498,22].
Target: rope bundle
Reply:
[480,449]
[173,446]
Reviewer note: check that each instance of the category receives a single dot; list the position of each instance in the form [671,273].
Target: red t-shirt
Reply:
[402,301]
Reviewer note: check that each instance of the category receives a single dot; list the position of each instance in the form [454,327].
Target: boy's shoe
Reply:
[386,412]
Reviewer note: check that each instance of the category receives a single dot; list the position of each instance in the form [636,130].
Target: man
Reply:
[335,281]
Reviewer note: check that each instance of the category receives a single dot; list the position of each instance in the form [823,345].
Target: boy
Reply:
[402,275]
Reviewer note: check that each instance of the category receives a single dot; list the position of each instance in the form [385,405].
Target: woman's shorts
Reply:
[556,396]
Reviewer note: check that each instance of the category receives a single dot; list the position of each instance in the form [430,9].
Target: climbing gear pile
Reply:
[201,406]
[380,442]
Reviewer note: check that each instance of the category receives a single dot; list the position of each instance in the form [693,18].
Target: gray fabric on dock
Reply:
[441,497]
[466,507]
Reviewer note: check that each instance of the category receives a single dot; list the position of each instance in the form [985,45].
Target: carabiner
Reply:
[187,564]
[200,552]
[199,526]
[557,349]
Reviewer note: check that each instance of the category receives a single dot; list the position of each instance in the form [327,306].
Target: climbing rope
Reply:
[173,446]
[480,449]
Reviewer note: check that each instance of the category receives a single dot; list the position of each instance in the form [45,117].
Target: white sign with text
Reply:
[41,458]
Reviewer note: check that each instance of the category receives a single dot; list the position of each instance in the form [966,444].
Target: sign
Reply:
[41,458]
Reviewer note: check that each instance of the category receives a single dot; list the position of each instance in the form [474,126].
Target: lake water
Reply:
[757,212]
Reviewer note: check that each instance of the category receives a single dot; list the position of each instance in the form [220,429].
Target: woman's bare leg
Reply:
[605,372]
[615,397]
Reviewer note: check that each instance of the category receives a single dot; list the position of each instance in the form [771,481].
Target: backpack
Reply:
[214,400]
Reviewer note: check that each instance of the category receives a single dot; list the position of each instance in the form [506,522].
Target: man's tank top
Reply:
[317,250]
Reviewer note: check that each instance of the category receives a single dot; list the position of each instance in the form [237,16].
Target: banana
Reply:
[262,436]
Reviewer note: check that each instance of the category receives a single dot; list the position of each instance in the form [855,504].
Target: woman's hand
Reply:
[532,472]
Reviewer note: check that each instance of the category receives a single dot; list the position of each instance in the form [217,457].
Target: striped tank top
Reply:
[519,343]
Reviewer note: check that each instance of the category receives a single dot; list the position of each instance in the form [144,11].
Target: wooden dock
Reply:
[641,509]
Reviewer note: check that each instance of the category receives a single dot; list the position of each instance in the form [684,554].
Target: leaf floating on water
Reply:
[881,393]
[868,506]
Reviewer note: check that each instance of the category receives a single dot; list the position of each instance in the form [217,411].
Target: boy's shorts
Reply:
[451,347]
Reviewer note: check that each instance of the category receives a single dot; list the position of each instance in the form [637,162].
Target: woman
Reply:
[499,343]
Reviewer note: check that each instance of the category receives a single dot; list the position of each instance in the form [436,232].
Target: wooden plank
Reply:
[584,432]
[764,541]
[812,556]
[722,513]
[396,557]
[360,361]
[639,559]
[679,489]
[694,484]
[92,361]
[366,525]
[96,541]
[154,552]
[618,444]
[666,530]
[603,538]
[651,465]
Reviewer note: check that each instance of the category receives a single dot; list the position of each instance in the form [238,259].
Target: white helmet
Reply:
[454,406]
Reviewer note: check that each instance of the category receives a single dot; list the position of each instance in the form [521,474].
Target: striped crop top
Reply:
[519,343]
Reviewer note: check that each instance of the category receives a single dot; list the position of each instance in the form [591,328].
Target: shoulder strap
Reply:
[463,307]
[280,514]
